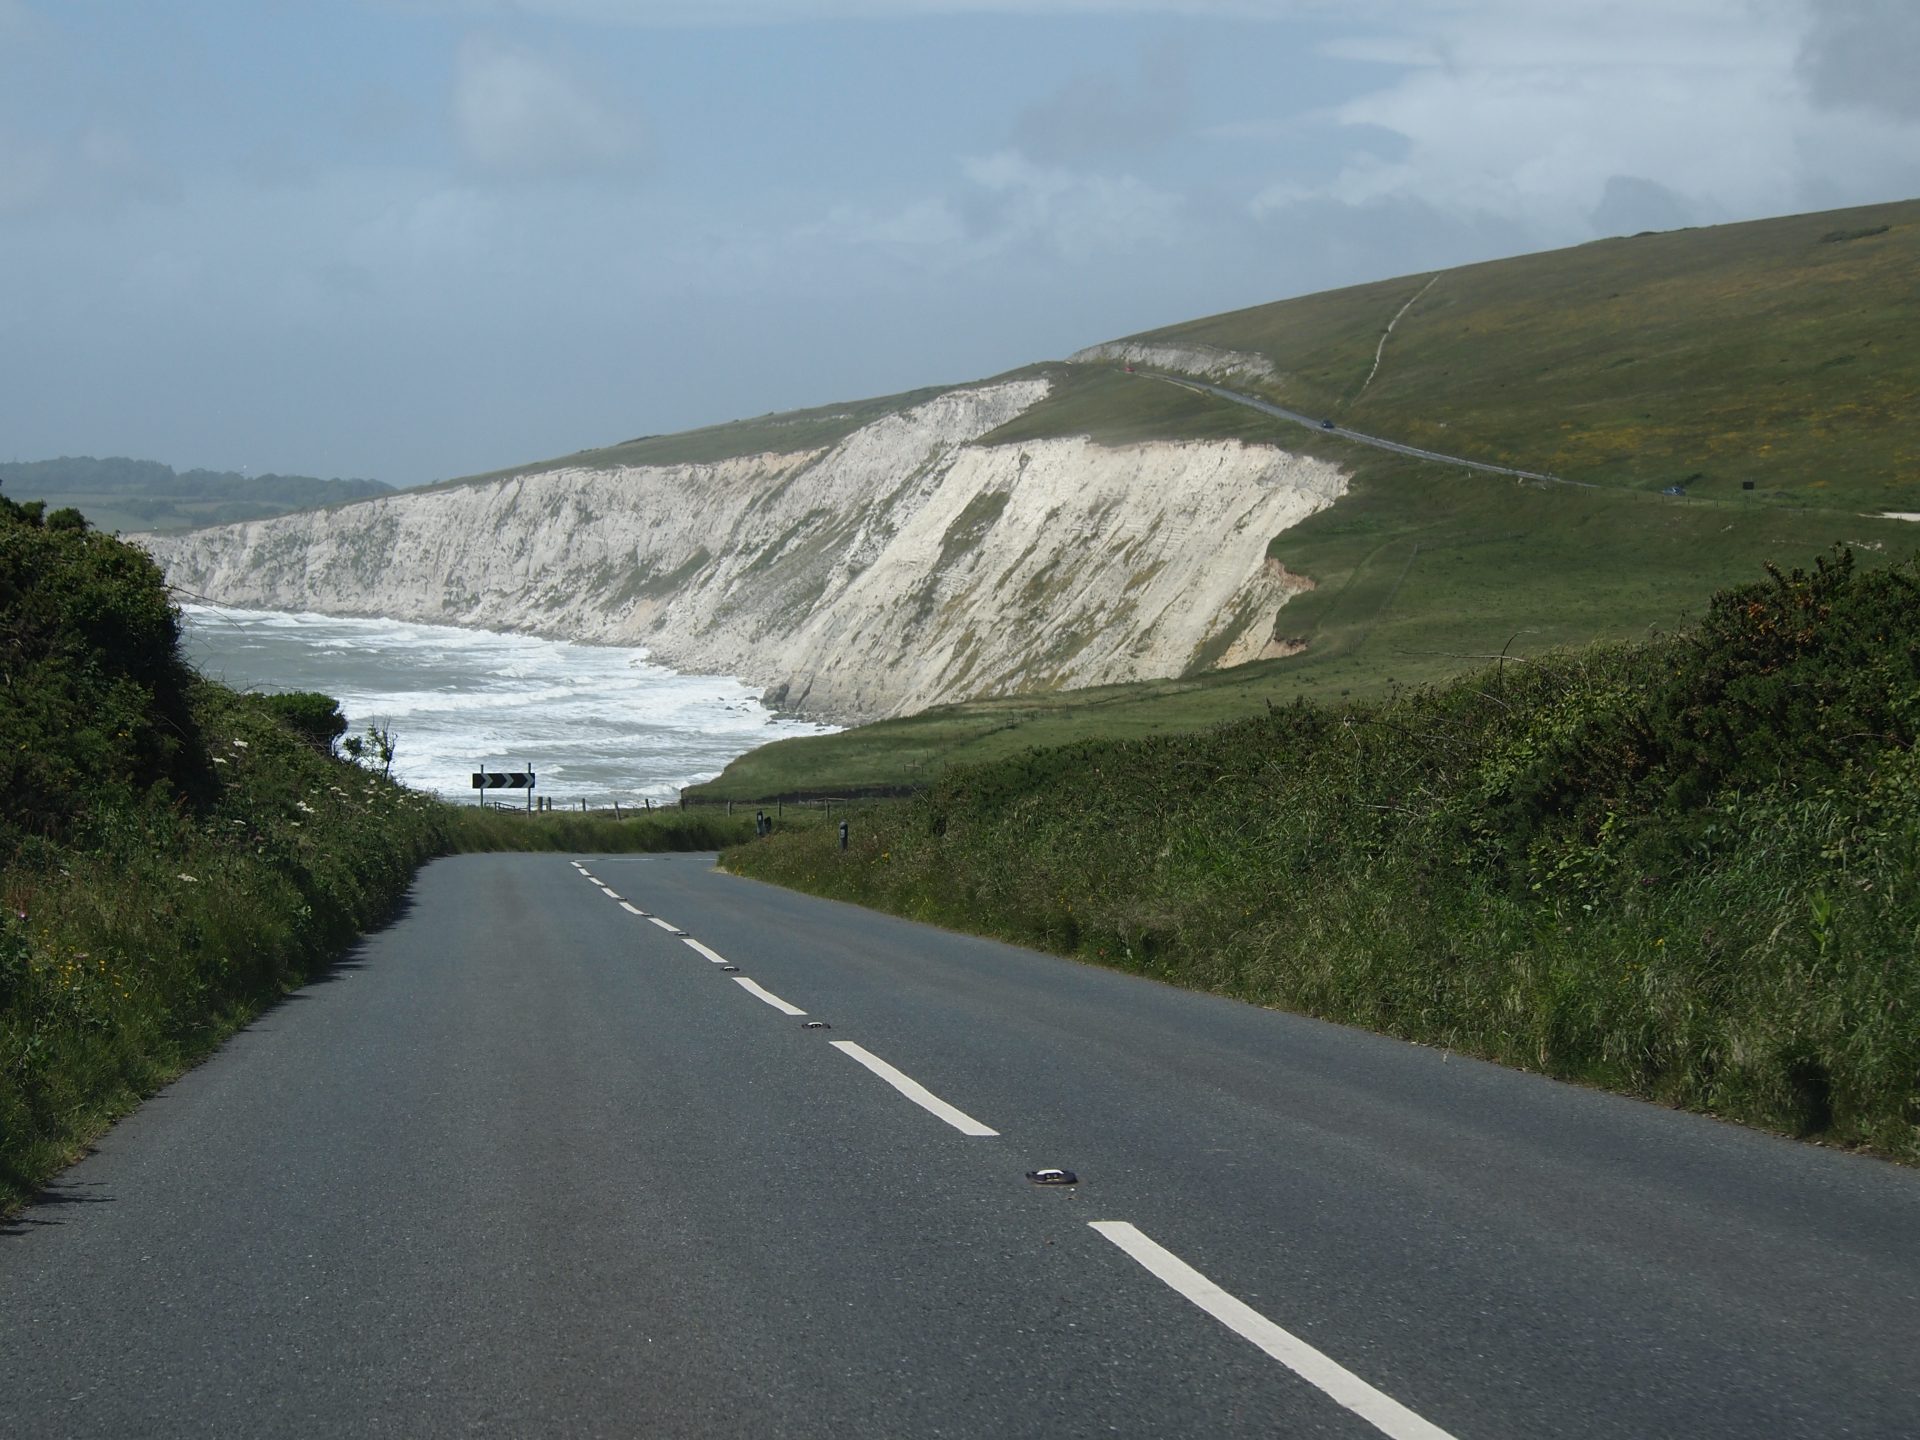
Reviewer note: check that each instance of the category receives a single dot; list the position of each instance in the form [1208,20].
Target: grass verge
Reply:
[1680,869]
[473,828]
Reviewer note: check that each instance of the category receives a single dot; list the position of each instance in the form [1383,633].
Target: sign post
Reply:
[485,780]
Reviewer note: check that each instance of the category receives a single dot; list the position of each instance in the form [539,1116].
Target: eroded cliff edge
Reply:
[902,567]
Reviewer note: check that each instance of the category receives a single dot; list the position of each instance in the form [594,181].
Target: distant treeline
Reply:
[118,493]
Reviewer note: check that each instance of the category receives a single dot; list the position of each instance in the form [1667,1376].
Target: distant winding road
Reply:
[558,1154]
[1267,407]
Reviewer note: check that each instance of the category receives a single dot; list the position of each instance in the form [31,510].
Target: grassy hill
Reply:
[1785,352]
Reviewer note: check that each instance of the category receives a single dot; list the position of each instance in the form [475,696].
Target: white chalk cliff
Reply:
[899,568]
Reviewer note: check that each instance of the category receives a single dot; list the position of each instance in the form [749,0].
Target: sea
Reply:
[594,723]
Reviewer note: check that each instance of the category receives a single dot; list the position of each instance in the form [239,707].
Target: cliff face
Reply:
[897,569]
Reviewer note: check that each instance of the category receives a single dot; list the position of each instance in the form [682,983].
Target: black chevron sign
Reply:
[503,780]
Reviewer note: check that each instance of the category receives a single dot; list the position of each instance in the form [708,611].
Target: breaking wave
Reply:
[595,722]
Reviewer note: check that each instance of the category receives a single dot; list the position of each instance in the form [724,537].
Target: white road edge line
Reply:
[695,946]
[1383,1412]
[914,1090]
[767,995]
[664,924]
[631,909]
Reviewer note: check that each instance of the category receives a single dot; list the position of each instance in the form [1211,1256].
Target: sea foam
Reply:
[595,722]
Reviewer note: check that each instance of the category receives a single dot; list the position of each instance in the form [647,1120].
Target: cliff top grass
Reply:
[785,433]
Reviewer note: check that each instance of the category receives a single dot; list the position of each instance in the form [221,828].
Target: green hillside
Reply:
[121,494]
[1695,358]
[1785,352]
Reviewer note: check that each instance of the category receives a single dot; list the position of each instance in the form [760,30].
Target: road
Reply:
[533,1162]
[1280,412]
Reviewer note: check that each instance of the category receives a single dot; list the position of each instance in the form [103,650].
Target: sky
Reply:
[414,239]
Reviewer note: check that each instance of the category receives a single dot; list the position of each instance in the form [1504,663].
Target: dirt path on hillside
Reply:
[1381,349]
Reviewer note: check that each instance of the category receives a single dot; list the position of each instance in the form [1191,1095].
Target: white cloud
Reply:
[524,115]
[1002,213]
[1548,116]
[1015,203]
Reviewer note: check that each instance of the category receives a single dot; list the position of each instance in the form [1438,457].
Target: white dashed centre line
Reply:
[768,996]
[1383,1412]
[695,946]
[631,910]
[914,1090]
[664,924]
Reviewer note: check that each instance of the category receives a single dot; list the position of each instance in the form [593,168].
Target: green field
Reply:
[1785,352]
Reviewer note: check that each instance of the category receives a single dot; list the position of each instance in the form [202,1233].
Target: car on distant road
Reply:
[1326,425]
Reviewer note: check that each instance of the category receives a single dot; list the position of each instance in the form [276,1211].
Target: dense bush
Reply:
[95,711]
[1683,868]
[315,718]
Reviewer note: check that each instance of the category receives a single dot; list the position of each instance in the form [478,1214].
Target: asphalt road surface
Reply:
[532,1163]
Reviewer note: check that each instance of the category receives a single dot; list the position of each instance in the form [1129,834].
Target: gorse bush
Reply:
[314,717]
[172,855]
[1683,869]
